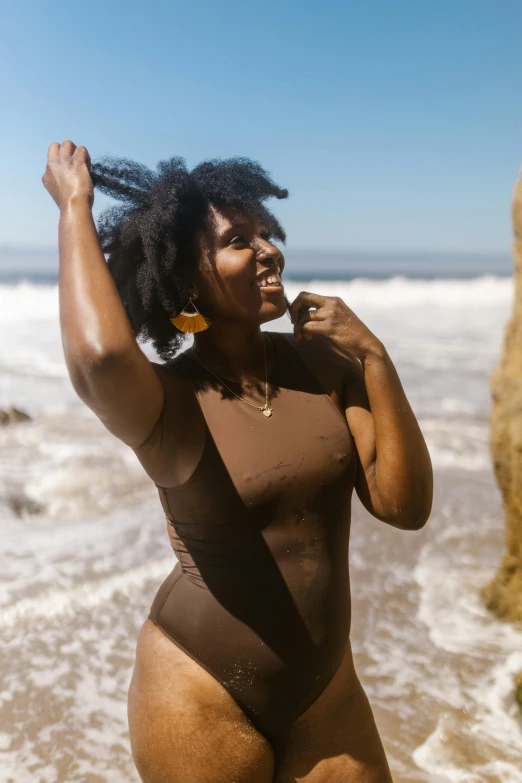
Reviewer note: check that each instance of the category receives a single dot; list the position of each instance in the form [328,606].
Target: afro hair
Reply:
[149,239]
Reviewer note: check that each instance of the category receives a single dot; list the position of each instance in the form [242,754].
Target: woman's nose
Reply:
[266,249]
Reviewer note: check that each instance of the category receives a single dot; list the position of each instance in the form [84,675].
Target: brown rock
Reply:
[518,691]
[22,504]
[13,416]
[504,593]
[16,415]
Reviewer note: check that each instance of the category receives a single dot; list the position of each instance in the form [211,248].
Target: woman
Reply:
[255,441]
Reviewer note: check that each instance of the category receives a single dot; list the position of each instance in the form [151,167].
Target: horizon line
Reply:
[43,249]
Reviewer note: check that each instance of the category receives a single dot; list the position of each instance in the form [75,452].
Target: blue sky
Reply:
[395,125]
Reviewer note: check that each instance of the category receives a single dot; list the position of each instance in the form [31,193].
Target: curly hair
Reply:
[149,240]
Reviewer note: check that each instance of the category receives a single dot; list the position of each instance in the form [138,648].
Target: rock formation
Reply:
[13,416]
[21,504]
[504,594]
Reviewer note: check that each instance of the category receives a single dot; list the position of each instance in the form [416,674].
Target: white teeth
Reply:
[270,280]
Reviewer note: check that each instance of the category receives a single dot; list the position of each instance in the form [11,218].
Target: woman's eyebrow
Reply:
[238,225]
[234,227]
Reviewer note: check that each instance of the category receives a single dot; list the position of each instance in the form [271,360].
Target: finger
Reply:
[303,299]
[309,328]
[67,147]
[305,315]
[308,316]
[80,154]
[53,150]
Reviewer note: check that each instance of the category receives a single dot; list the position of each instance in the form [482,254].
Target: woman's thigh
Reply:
[336,740]
[184,726]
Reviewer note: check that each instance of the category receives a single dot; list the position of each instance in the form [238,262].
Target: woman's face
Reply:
[235,250]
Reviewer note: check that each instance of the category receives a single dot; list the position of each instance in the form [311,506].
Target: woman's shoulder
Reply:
[325,359]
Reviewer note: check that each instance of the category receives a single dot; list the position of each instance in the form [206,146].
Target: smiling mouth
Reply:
[269,281]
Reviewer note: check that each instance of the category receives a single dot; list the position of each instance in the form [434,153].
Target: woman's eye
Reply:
[236,240]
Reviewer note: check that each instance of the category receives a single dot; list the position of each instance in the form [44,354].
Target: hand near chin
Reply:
[333,318]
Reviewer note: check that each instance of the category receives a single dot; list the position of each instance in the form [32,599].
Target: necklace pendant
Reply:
[267,412]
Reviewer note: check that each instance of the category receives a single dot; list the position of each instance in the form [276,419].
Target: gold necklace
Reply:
[265,409]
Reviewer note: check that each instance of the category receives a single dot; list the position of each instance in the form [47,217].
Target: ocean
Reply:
[85,545]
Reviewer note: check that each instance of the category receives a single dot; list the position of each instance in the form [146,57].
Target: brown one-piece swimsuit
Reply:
[260,595]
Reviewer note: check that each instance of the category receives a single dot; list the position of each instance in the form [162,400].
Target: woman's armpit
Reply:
[179,423]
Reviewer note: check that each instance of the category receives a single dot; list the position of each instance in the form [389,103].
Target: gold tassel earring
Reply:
[190,322]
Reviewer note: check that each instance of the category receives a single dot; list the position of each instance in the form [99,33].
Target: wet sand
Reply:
[429,656]
[437,667]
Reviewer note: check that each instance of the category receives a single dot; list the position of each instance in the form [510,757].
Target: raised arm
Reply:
[108,369]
